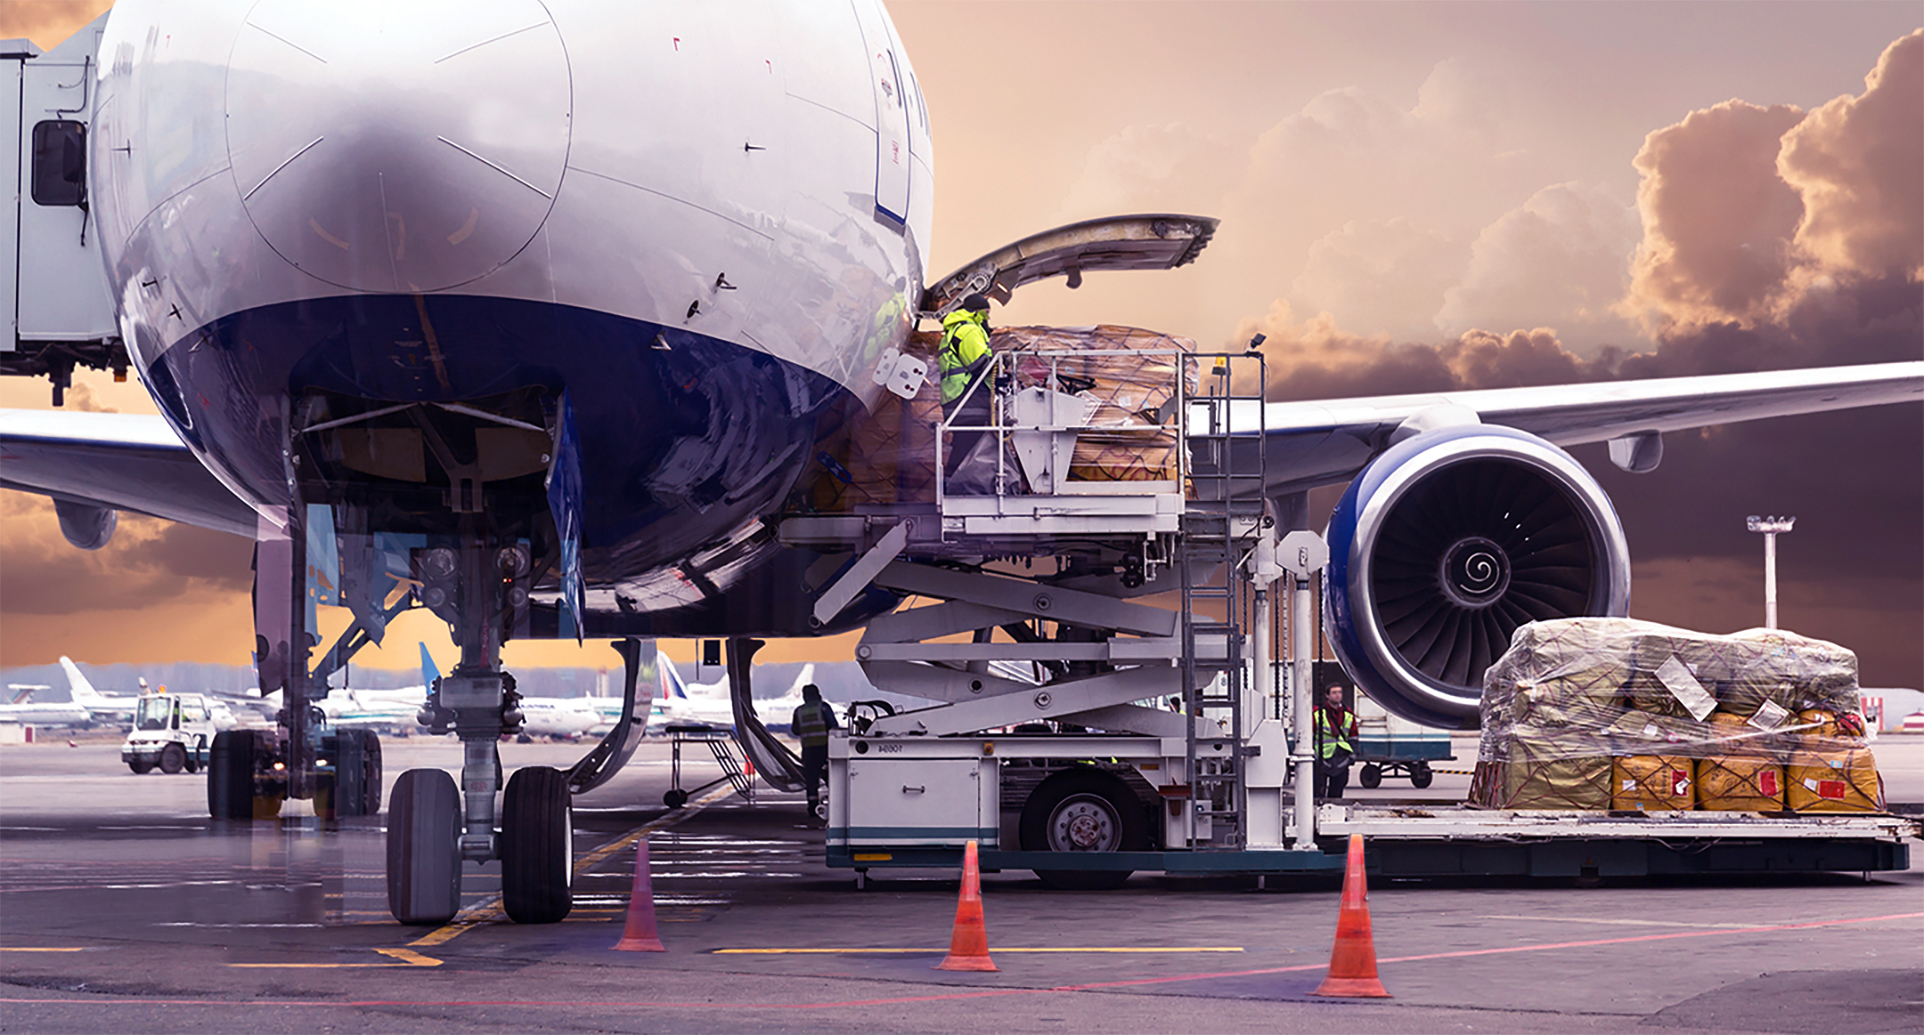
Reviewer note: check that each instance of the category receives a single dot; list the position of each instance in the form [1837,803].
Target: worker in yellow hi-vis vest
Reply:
[1336,734]
[960,363]
[811,722]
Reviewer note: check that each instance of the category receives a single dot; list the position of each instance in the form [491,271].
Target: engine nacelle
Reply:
[86,527]
[1444,545]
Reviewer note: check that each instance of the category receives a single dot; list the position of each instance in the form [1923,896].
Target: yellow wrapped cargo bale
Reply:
[1718,715]
[1833,781]
[1733,783]
[1537,776]
[1653,783]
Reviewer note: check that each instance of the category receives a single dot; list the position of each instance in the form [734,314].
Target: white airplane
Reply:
[22,709]
[101,707]
[543,311]
[709,704]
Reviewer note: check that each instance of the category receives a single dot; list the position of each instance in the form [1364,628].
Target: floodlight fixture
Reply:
[1770,526]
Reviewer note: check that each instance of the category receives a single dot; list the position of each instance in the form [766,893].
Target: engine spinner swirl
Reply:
[1474,572]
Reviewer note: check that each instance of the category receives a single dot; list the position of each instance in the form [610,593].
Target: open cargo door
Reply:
[1145,242]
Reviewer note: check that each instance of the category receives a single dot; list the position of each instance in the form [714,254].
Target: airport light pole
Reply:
[1770,526]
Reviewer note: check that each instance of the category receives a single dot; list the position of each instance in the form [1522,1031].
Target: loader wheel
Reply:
[1083,810]
[230,775]
[173,758]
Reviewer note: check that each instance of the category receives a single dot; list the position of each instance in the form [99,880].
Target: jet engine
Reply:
[1445,544]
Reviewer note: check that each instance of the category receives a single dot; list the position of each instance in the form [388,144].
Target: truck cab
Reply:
[171,732]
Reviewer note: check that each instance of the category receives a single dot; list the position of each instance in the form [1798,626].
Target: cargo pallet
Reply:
[1081,734]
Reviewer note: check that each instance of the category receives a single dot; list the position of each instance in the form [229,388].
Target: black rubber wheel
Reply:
[141,766]
[1371,776]
[352,786]
[537,846]
[1083,810]
[424,848]
[675,798]
[195,756]
[230,775]
[1421,776]
[173,758]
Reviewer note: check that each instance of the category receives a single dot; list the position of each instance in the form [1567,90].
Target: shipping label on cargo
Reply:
[1685,688]
[1769,716]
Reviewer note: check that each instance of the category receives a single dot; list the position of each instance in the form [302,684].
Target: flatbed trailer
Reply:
[1142,739]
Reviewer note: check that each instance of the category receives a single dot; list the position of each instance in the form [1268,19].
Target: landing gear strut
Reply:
[478,586]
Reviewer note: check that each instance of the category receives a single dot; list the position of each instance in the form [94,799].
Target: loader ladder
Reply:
[1225,437]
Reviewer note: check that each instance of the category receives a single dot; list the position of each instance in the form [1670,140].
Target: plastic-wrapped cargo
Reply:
[1757,721]
[886,455]
[1131,375]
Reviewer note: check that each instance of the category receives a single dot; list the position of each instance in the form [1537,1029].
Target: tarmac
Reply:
[123,908]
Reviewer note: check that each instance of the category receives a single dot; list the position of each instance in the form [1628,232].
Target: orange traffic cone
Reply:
[1352,962]
[969,944]
[640,934]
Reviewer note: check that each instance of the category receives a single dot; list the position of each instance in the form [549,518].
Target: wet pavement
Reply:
[123,908]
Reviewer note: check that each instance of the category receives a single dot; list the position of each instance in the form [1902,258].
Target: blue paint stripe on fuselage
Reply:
[680,445]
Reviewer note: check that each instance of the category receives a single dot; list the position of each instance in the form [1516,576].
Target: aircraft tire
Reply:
[1098,806]
[424,848]
[353,787]
[230,775]
[537,846]
[173,758]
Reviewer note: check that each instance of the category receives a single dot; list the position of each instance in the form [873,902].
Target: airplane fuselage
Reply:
[699,224]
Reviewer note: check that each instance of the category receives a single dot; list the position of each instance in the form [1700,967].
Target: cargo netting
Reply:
[1620,714]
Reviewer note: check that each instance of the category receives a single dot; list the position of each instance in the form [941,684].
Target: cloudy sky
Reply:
[1412,196]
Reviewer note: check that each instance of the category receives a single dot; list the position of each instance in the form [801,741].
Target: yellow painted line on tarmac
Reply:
[491,910]
[40,948]
[407,958]
[998,949]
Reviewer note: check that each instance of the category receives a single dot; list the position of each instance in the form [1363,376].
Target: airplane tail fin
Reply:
[429,670]
[671,684]
[802,679]
[79,688]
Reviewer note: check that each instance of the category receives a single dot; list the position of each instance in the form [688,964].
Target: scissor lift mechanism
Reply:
[1129,782]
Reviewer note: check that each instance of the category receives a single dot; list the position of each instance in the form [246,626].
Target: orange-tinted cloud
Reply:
[1749,211]
[1560,259]
[1858,163]
[47,22]
[1717,218]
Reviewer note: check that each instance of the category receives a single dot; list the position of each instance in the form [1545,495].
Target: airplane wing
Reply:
[1320,442]
[131,462]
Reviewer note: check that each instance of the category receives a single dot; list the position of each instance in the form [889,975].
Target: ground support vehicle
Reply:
[171,732]
[1077,732]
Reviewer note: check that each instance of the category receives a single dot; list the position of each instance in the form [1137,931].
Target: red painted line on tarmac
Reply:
[973,994]
[1541,947]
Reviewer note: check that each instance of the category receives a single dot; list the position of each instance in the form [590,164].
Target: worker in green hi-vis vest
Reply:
[810,724]
[960,363]
[1336,733]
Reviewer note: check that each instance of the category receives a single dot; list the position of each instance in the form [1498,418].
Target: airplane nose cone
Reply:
[398,147]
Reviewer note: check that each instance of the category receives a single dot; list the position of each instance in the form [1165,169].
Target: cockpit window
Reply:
[60,162]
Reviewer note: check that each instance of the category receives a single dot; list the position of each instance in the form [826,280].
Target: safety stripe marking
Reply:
[492,909]
[23,948]
[998,949]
